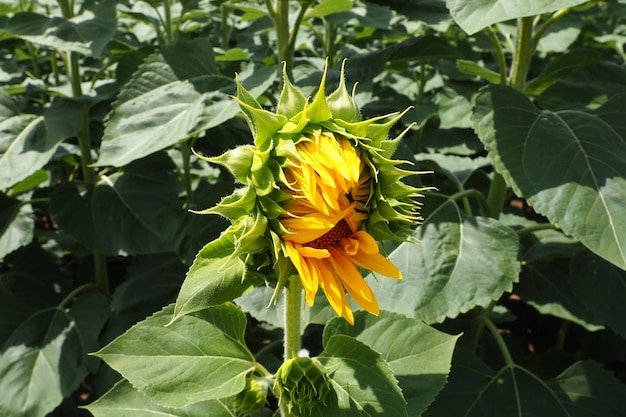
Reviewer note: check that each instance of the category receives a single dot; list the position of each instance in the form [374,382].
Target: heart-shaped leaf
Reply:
[569,165]
[202,356]
[41,362]
[418,355]
[449,272]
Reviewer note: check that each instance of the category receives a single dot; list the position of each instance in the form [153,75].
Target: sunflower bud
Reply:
[301,382]
[320,188]
[253,397]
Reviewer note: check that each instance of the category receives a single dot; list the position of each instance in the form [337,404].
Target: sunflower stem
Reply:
[293,311]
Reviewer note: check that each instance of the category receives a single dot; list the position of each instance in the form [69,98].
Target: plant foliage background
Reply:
[512,304]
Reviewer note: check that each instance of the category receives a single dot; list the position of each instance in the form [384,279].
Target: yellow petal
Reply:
[334,290]
[353,281]
[377,263]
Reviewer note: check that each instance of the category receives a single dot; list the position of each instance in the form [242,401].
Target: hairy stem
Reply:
[293,311]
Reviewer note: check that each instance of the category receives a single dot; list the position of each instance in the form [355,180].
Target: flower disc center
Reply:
[333,236]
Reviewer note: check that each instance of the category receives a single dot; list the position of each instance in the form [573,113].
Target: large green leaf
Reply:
[16,225]
[123,400]
[418,355]
[474,15]
[602,288]
[200,357]
[328,7]
[41,362]
[133,211]
[215,277]
[569,165]
[475,390]
[27,142]
[460,262]
[170,99]
[87,33]
[363,384]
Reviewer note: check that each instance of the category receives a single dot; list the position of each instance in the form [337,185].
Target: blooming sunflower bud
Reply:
[252,398]
[301,382]
[321,188]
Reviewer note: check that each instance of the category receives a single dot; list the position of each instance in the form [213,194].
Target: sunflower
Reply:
[330,186]
[320,189]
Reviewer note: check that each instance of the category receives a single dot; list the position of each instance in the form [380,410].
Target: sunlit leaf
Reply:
[27,142]
[16,225]
[87,33]
[122,399]
[170,99]
[201,356]
[41,362]
[214,277]
[474,15]
[327,7]
[449,272]
[362,382]
[569,165]
[418,355]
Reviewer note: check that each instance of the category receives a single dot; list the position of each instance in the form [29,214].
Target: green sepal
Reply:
[341,104]
[271,207]
[262,177]
[291,100]
[249,234]
[266,124]
[240,203]
[244,97]
[318,111]
[238,161]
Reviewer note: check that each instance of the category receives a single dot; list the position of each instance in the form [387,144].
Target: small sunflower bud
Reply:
[252,398]
[301,382]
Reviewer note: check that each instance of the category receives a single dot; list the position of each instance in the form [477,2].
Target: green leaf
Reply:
[214,277]
[87,33]
[560,67]
[90,313]
[169,100]
[423,47]
[201,356]
[16,225]
[475,390]
[474,15]
[447,272]
[569,165]
[418,355]
[124,400]
[152,281]
[587,390]
[601,287]
[27,142]
[41,362]
[472,68]
[545,287]
[328,7]
[133,211]
[362,381]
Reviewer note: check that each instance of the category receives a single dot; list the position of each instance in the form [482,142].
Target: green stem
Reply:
[422,82]
[293,311]
[504,350]
[484,204]
[330,32]
[547,24]
[186,154]
[523,53]
[530,229]
[91,287]
[281,21]
[499,54]
[497,192]
[84,142]
[169,37]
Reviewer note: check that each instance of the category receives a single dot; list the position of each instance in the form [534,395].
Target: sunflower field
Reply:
[312,208]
